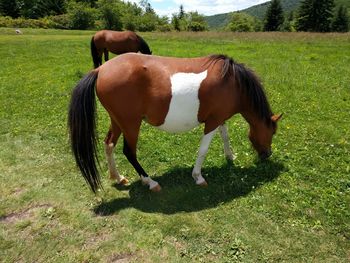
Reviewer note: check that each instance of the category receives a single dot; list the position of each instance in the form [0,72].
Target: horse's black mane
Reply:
[249,82]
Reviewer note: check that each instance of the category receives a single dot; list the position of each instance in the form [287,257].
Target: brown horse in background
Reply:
[172,94]
[117,42]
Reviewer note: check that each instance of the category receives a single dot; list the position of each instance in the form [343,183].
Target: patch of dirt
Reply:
[93,241]
[23,215]
[17,191]
[121,258]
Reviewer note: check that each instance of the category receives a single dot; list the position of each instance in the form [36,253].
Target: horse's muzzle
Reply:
[264,155]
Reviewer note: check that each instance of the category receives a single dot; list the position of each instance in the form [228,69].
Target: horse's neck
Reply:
[252,118]
[245,108]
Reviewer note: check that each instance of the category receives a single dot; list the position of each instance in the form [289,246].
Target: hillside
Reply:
[258,11]
[220,20]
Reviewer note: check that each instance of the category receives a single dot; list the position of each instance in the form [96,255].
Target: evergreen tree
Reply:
[175,22]
[181,12]
[40,8]
[304,17]
[341,20]
[274,16]
[178,20]
[315,15]
[147,6]
[289,23]
[9,8]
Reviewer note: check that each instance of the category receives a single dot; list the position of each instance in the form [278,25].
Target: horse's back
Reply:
[120,42]
[149,70]
[184,91]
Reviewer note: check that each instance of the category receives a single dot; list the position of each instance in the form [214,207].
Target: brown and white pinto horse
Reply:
[117,42]
[172,94]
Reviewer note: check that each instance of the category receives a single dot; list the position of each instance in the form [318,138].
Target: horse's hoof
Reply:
[156,188]
[124,181]
[203,184]
[230,157]
[199,179]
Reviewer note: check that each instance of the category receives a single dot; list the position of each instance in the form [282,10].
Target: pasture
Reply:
[293,208]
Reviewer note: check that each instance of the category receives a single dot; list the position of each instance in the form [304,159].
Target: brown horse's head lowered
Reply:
[172,94]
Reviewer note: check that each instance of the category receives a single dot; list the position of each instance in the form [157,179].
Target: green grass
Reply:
[293,208]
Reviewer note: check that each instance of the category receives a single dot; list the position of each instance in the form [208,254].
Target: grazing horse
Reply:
[172,94]
[117,43]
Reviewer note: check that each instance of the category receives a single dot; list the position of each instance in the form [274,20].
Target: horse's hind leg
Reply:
[105,51]
[130,142]
[227,149]
[110,142]
[99,56]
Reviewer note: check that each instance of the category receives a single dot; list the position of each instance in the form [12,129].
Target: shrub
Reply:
[242,22]
[341,20]
[195,22]
[147,22]
[164,28]
[59,21]
[81,16]
[6,21]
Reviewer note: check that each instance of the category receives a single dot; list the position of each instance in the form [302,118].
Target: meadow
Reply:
[295,207]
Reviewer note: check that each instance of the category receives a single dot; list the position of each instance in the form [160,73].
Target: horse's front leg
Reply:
[227,149]
[203,149]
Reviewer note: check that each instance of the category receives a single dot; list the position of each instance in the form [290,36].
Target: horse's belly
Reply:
[184,105]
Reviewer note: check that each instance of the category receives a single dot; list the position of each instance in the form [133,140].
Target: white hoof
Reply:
[153,185]
[200,180]
[155,188]
[230,157]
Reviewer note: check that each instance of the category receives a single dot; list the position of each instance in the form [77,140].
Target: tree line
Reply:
[95,14]
[312,15]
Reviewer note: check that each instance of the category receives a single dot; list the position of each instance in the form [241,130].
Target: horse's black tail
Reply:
[94,53]
[82,129]
[144,48]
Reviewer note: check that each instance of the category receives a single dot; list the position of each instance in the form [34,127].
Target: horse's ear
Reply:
[276,118]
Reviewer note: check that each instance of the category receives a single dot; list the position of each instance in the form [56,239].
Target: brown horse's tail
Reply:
[144,48]
[94,53]
[82,129]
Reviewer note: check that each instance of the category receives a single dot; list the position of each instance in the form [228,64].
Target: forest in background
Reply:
[257,15]
[286,15]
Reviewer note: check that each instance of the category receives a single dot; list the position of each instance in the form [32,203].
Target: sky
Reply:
[205,7]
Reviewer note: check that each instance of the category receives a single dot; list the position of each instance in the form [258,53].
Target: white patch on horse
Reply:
[184,105]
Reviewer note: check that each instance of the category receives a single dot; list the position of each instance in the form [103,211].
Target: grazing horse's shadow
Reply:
[180,194]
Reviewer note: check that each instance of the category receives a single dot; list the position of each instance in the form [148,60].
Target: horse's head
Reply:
[261,136]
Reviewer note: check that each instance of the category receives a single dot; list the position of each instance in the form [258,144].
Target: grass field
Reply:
[293,208]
